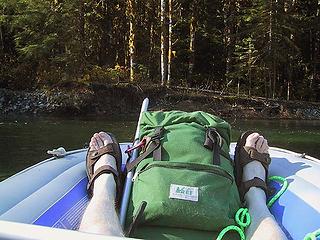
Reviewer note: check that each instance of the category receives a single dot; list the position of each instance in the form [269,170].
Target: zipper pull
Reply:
[136,174]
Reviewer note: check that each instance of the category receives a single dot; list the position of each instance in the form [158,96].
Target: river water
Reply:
[24,141]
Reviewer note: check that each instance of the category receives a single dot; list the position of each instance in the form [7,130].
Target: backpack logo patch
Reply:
[184,192]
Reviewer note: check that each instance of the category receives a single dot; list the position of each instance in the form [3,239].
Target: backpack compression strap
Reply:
[214,143]
[153,146]
[136,219]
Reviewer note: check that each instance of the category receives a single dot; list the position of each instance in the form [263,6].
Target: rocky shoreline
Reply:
[126,99]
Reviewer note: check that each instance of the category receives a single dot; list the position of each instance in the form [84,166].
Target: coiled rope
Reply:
[242,216]
[313,235]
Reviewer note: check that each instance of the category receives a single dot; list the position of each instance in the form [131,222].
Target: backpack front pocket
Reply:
[186,195]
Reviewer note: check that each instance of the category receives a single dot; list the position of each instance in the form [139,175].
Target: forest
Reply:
[266,48]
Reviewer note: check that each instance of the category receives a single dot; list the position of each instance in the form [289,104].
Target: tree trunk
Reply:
[265,83]
[169,41]
[106,56]
[152,16]
[123,40]
[81,38]
[270,83]
[250,80]
[288,90]
[230,9]
[192,43]
[238,87]
[289,81]
[164,43]
[316,53]
[274,77]
[271,53]
[226,38]
[249,71]
[131,13]
[1,37]
[126,50]
[151,51]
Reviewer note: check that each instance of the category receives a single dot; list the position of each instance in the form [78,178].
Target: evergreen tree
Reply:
[265,48]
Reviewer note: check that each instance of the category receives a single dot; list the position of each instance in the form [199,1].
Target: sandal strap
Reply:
[255,182]
[250,154]
[107,149]
[101,170]
[113,149]
[94,155]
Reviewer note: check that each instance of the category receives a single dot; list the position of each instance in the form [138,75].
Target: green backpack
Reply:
[184,177]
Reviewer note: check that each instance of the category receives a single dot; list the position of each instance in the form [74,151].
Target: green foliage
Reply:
[255,47]
[97,74]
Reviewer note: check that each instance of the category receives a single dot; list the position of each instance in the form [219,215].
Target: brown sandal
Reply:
[94,155]
[244,155]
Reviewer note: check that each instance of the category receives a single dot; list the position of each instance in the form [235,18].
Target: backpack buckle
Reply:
[158,133]
[212,137]
[214,143]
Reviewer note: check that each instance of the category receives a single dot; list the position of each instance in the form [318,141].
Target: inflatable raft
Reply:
[53,194]
[47,200]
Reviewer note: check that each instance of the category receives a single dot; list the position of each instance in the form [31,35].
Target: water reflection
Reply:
[24,141]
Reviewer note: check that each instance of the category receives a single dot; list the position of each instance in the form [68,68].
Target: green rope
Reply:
[243,219]
[313,235]
[282,190]
[230,228]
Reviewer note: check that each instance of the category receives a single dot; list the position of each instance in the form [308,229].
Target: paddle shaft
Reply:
[128,182]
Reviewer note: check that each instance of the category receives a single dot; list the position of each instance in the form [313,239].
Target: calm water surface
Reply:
[25,141]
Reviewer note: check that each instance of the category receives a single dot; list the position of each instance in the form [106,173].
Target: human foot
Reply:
[104,157]
[263,225]
[255,168]
[251,162]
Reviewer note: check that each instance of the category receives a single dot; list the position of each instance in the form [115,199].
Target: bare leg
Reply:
[263,225]
[100,216]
